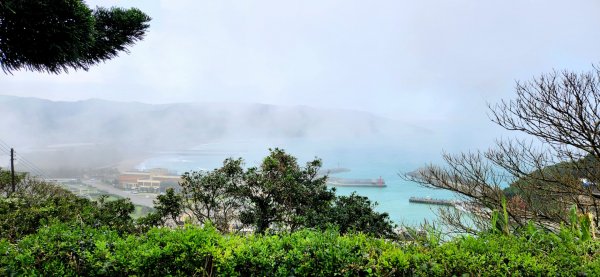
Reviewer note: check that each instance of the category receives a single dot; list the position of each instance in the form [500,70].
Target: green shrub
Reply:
[78,249]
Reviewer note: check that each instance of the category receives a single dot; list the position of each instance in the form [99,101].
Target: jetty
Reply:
[432,201]
[350,182]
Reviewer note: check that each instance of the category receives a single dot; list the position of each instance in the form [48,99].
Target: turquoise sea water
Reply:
[366,160]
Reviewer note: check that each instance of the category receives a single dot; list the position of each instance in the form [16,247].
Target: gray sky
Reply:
[408,60]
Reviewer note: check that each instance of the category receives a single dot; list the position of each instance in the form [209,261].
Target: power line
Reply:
[5,149]
[31,169]
[2,143]
[21,158]
[23,162]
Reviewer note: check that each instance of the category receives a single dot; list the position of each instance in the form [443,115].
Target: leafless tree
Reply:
[559,168]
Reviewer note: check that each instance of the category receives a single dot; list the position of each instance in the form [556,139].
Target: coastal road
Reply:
[135,198]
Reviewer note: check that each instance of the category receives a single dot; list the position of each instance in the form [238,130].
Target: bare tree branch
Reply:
[540,180]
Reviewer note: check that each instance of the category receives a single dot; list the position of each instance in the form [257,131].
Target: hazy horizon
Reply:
[426,60]
[435,64]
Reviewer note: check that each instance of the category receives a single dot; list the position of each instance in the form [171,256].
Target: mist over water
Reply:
[80,138]
[365,159]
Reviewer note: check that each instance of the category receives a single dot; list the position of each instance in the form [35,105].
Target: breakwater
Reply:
[432,201]
[350,182]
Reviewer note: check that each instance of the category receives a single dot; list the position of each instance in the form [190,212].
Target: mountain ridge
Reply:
[97,132]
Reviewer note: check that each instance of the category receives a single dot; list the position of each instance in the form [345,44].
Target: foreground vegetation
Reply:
[75,249]
[547,226]
[46,230]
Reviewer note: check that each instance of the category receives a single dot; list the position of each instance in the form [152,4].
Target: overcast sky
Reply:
[408,60]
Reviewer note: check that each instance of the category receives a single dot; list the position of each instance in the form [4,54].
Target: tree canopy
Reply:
[55,36]
[279,194]
[212,196]
[283,193]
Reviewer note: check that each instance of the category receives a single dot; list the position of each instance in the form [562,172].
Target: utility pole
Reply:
[12,169]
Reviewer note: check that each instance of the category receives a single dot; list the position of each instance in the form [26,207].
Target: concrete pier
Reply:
[432,201]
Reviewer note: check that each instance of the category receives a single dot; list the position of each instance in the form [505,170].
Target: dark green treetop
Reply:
[54,36]
[357,213]
[284,193]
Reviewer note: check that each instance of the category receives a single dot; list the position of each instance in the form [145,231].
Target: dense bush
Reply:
[24,213]
[40,203]
[71,249]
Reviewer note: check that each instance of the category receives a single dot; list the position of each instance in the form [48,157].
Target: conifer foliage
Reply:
[55,36]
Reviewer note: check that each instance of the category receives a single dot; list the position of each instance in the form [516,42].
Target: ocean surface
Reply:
[365,159]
